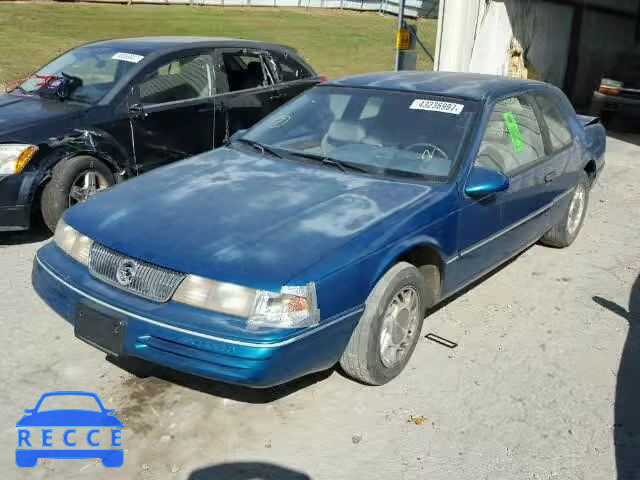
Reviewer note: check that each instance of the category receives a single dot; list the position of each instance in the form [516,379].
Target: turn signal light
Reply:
[609,90]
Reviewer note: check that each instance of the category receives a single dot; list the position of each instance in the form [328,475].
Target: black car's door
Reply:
[292,74]
[249,89]
[172,110]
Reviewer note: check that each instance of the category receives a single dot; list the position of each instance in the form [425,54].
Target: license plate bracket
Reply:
[104,332]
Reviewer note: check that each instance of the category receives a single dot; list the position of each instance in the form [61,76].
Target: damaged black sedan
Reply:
[111,110]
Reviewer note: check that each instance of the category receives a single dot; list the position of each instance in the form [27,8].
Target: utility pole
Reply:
[400,34]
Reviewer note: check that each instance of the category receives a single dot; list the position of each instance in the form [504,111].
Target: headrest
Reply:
[345,132]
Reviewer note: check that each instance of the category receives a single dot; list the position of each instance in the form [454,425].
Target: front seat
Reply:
[341,133]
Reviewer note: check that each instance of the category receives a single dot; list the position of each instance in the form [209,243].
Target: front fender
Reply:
[93,143]
[348,287]
[400,249]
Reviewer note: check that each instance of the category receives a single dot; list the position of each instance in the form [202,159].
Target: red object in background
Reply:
[46,79]
[323,79]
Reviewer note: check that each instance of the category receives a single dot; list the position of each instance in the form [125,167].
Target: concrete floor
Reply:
[530,391]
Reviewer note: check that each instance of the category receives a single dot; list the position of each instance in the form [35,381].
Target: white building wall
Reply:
[476,36]
[493,39]
[456,31]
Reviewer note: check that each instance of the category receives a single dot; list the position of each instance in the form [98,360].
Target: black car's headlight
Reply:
[292,307]
[14,157]
[72,242]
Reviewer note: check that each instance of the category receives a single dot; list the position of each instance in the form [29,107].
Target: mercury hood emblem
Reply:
[126,271]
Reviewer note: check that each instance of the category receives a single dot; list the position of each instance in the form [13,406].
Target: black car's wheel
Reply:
[566,231]
[388,331]
[73,181]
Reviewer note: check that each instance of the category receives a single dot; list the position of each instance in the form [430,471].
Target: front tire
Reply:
[388,332]
[566,231]
[72,181]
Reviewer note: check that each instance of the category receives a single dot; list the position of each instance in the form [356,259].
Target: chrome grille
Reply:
[149,281]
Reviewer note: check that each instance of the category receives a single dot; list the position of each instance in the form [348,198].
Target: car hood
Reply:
[241,217]
[21,111]
[69,418]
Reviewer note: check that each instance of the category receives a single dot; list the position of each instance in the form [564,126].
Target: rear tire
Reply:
[369,355]
[566,231]
[56,194]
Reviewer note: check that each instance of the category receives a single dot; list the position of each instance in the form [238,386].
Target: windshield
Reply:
[386,132]
[93,71]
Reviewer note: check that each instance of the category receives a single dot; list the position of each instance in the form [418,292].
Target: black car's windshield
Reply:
[85,74]
[383,131]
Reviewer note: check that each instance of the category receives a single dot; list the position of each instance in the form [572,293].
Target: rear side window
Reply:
[559,133]
[512,140]
[246,71]
[290,68]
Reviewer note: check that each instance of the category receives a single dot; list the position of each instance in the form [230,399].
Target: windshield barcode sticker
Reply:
[127,57]
[435,106]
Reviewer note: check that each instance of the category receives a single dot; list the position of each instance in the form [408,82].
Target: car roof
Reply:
[147,45]
[473,86]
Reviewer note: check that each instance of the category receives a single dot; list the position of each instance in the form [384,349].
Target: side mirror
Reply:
[483,182]
[28,410]
[137,111]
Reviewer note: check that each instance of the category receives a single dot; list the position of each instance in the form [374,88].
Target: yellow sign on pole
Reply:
[403,39]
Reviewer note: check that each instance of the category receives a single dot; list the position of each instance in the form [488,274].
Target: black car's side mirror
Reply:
[483,182]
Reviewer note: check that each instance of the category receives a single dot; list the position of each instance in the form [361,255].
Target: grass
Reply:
[335,42]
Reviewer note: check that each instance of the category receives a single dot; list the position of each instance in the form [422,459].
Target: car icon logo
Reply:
[126,272]
[87,433]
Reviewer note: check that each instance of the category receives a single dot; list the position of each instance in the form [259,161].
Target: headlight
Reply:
[292,307]
[14,156]
[72,242]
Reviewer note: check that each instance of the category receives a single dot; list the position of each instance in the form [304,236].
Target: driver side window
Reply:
[512,140]
[180,79]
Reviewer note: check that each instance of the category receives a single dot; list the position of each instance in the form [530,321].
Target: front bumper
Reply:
[188,339]
[613,103]
[14,218]
[14,202]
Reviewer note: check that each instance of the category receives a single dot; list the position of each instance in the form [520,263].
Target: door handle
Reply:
[277,96]
[549,177]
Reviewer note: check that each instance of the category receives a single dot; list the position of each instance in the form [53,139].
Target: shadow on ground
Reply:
[247,471]
[143,369]
[626,431]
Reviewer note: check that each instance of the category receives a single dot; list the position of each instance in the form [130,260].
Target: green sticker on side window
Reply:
[514,131]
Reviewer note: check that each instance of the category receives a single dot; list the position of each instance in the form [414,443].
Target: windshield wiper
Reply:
[259,146]
[344,166]
[20,89]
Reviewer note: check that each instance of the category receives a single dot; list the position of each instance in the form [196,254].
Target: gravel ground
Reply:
[529,392]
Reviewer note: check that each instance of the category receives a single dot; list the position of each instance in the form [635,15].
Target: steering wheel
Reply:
[428,151]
